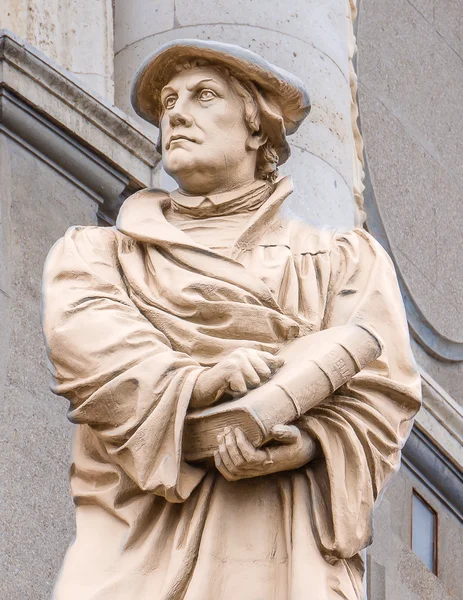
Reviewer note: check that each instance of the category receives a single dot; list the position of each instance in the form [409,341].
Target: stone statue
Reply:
[185,305]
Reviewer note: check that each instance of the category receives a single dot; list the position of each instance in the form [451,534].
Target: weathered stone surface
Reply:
[77,35]
[421,219]
[425,7]
[406,576]
[412,70]
[448,374]
[138,19]
[321,195]
[321,23]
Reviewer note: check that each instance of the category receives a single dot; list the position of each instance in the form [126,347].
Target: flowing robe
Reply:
[132,315]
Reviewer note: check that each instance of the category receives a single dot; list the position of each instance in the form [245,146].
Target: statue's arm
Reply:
[363,427]
[118,372]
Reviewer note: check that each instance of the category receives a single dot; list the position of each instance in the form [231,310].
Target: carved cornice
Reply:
[46,108]
[434,451]
[434,470]
[88,172]
[442,416]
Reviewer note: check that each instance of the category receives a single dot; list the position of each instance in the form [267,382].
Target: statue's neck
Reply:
[248,197]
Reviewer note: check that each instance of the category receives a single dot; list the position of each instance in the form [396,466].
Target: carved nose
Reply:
[180,119]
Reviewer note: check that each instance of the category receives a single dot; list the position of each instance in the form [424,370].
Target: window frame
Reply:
[420,497]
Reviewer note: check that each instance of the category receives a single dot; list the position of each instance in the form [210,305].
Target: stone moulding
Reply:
[434,451]
[69,126]
[442,416]
[432,467]
[358,165]
[105,184]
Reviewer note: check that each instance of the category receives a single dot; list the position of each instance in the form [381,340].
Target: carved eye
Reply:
[206,95]
[170,101]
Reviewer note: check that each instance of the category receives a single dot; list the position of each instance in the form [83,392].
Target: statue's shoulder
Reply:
[92,235]
[304,238]
[301,237]
[92,243]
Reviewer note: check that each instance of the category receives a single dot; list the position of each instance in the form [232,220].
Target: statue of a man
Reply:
[191,294]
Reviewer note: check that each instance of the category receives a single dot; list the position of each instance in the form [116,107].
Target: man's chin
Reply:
[181,166]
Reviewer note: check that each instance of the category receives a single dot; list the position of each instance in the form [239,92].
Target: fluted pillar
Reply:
[311,38]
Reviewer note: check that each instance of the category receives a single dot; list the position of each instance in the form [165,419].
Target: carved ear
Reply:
[256,139]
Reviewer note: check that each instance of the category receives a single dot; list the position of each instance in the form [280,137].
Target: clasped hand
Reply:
[236,458]
[240,371]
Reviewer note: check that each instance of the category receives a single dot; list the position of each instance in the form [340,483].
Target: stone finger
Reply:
[261,367]
[225,456]
[250,375]
[247,450]
[272,360]
[232,448]
[220,466]
[237,382]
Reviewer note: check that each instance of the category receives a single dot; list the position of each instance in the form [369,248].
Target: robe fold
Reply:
[131,316]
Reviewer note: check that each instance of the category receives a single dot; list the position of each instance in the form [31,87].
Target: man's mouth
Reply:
[177,137]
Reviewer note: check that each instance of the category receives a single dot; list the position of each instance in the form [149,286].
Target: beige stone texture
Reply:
[139,19]
[77,34]
[410,104]
[319,23]
[35,511]
[405,576]
[325,183]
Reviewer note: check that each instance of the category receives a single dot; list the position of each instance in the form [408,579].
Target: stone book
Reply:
[316,365]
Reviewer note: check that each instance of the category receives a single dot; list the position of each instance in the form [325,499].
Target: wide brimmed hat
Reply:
[281,90]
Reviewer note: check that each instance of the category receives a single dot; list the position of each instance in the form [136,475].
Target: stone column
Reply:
[311,38]
[77,34]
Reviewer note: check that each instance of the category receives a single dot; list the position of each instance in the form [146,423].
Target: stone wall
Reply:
[409,66]
[410,72]
[77,35]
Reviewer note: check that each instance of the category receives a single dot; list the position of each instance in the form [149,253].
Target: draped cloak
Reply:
[131,316]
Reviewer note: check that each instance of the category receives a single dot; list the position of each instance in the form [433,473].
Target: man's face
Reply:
[204,133]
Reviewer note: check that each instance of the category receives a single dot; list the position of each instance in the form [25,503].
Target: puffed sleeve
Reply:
[363,427]
[118,372]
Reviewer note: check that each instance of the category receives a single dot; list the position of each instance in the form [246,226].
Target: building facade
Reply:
[381,148]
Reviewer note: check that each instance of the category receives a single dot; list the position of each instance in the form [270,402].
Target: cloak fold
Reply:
[131,317]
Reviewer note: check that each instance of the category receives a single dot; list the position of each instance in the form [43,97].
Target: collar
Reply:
[142,218]
[243,199]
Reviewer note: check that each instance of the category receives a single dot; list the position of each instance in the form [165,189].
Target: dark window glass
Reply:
[424,532]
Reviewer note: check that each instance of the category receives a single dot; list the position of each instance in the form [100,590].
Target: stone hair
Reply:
[267,156]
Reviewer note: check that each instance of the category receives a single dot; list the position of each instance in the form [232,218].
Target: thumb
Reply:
[285,434]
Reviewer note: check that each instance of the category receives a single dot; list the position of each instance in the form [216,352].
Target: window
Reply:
[424,532]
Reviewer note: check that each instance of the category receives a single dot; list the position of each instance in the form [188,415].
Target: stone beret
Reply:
[281,88]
